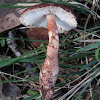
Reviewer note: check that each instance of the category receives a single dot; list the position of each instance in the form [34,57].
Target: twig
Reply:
[13,76]
[89,16]
[12,45]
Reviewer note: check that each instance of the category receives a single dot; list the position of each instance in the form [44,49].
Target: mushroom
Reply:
[58,19]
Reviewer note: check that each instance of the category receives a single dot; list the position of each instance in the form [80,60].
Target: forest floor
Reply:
[23,50]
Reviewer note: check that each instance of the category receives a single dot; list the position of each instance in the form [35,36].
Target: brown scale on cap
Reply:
[47,5]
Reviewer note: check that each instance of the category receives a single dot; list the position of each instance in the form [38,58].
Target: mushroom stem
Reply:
[50,67]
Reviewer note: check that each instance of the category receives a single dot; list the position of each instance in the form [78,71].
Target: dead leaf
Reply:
[62,80]
[5,11]
[8,22]
[11,90]
[37,34]
[2,96]
[9,16]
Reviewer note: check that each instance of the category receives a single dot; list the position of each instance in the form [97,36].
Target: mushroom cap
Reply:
[35,16]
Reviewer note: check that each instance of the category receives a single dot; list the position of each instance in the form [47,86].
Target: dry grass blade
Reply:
[92,9]
[26,4]
[94,40]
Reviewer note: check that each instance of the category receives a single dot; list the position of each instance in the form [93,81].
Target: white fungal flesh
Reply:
[50,35]
[37,18]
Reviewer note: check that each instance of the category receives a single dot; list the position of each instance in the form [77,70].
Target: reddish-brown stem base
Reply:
[50,67]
